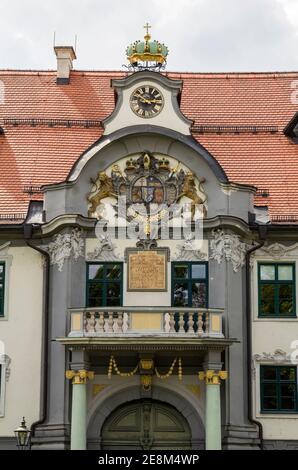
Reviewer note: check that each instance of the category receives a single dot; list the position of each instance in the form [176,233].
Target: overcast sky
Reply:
[202,35]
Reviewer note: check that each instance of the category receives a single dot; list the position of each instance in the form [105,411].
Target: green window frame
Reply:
[278,389]
[2,288]
[104,284]
[276,290]
[192,276]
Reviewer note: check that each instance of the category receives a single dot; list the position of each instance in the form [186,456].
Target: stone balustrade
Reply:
[146,321]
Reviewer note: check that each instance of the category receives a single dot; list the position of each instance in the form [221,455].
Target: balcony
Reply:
[129,322]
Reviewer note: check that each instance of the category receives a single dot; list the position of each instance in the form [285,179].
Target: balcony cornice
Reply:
[147,343]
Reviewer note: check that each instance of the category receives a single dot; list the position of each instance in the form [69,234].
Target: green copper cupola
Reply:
[148,54]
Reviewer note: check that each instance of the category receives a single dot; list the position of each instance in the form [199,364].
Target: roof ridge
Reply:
[167,73]
[54,72]
[232,74]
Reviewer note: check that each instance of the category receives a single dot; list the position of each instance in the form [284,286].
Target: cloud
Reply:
[202,35]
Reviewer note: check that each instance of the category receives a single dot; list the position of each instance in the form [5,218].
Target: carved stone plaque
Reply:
[147,270]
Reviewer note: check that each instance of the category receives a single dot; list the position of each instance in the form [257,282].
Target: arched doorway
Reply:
[145,424]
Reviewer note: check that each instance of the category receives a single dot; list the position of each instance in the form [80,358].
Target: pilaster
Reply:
[79,379]
[213,380]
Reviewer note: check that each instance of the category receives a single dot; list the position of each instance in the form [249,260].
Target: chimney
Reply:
[65,57]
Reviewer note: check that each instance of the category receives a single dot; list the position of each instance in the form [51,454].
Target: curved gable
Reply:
[150,130]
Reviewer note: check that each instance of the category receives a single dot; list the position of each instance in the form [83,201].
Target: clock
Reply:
[146,101]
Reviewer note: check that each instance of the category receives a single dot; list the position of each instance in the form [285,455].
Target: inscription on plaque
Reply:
[147,271]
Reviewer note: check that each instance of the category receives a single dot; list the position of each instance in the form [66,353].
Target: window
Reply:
[276,290]
[2,288]
[104,284]
[190,284]
[278,389]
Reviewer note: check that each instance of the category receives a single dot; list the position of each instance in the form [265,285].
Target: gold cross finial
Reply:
[147,35]
[147,26]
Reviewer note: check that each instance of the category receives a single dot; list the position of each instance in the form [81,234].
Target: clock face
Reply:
[146,101]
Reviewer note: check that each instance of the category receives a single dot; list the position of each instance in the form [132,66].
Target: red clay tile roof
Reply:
[35,155]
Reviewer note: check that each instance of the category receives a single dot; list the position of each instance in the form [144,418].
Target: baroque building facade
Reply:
[126,323]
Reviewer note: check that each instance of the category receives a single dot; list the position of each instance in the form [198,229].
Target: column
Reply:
[78,439]
[212,407]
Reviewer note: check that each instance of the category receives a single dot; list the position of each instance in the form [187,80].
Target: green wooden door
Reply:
[146,424]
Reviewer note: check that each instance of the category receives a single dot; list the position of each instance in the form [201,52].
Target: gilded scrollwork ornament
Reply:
[79,377]
[212,377]
[146,381]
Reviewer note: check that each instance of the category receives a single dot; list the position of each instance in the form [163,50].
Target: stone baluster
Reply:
[115,323]
[92,323]
[101,323]
[110,322]
[207,324]
[200,324]
[190,323]
[172,322]
[125,325]
[181,323]
[120,322]
[166,322]
[85,321]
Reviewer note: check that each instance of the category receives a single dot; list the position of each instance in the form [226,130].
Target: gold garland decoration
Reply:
[171,369]
[180,370]
[113,365]
[146,220]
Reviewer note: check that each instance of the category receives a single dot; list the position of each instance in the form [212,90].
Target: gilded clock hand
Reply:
[155,101]
[144,100]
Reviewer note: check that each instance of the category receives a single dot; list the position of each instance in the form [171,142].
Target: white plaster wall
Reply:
[268,335]
[166,118]
[21,333]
